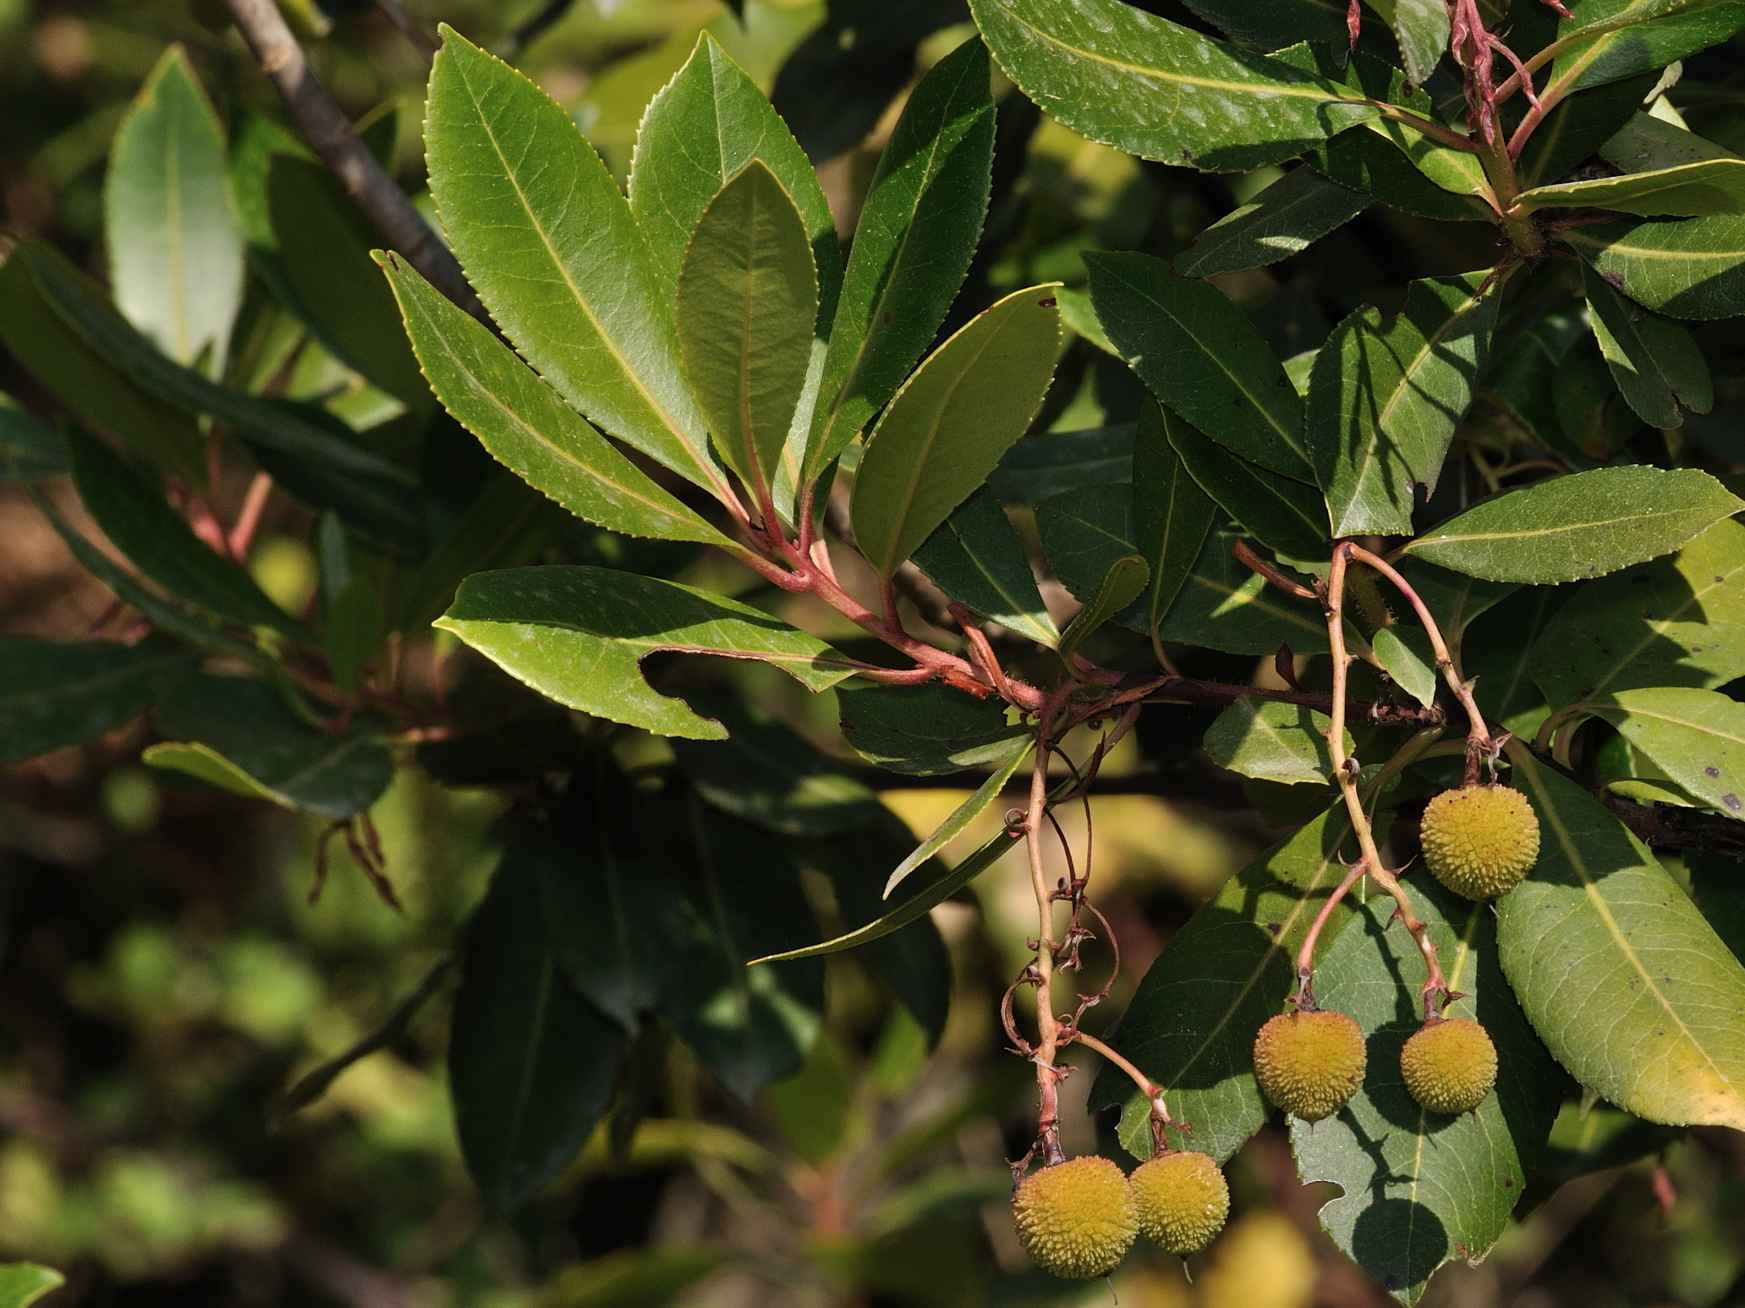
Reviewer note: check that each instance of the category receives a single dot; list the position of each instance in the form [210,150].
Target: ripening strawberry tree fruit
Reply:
[1446,586]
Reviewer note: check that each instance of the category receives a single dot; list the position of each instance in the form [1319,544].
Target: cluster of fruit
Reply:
[1079,1218]
[1479,841]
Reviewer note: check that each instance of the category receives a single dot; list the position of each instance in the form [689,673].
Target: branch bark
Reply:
[329,132]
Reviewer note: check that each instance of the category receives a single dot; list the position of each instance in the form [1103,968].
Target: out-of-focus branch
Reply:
[329,132]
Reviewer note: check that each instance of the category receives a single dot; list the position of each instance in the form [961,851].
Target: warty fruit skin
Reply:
[1479,841]
[1310,1062]
[1183,1201]
[1076,1219]
[1450,1065]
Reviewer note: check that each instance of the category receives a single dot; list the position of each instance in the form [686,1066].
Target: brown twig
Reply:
[329,132]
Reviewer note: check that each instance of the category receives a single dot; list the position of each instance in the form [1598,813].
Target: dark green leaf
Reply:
[1268,741]
[132,512]
[1658,367]
[531,1065]
[1191,1024]
[1674,622]
[750,1026]
[1690,269]
[54,694]
[1201,356]
[926,730]
[1171,515]
[1285,219]
[89,381]
[1125,78]
[983,797]
[1275,23]
[578,635]
[1421,28]
[1051,463]
[767,773]
[549,243]
[240,736]
[977,559]
[944,432]
[1280,512]
[747,301]
[1580,126]
[1619,973]
[29,449]
[1386,396]
[526,426]
[1612,39]
[917,233]
[1421,1189]
[175,249]
[1647,144]
[1579,526]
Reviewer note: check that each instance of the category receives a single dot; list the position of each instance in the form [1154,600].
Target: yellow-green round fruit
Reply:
[1076,1219]
[1310,1063]
[1479,841]
[1449,1065]
[1182,1199]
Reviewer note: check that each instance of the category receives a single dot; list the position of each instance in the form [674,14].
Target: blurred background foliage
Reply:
[165,981]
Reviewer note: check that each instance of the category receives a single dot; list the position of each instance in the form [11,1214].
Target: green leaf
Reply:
[1285,219]
[1171,515]
[175,249]
[1406,656]
[945,430]
[1608,40]
[1421,28]
[1693,737]
[238,735]
[917,232]
[1191,1024]
[656,1274]
[1658,367]
[22,1284]
[1453,597]
[926,730]
[748,1026]
[1579,526]
[977,559]
[361,483]
[1201,356]
[1713,186]
[747,302]
[1016,753]
[766,773]
[1124,582]
[323,252]
[30,449]
[1674,622]
[671,182]
[132,512]
[1282,513]
[1421,1189]
[54,693]
[1690,269]
[1269,741]
[1158,90]
[531,1065]
[1623,979]
[89,381]
[578,634]
[1581,126]
[1386,396]
[527,427]
[549,243]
